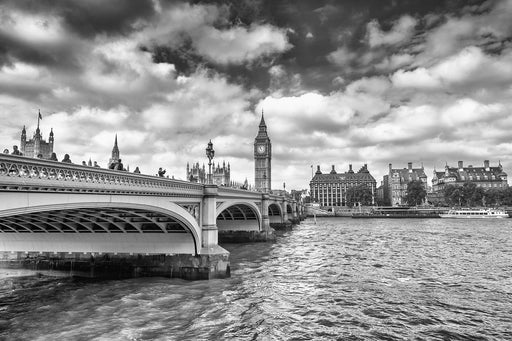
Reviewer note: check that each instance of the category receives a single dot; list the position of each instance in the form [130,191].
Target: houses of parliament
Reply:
[37,146]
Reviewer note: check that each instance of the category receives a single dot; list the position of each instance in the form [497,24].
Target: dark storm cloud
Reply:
[90,18]
[183,57]
[316,29]
[242,12]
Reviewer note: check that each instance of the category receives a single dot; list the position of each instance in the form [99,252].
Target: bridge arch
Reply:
[275,214]
[229,215]
[116,227]
[289,209]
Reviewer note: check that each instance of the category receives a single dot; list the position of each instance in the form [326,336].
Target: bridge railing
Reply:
[238,192]
[38,174]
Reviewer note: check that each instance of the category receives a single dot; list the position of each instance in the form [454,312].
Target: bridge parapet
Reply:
[239,193]
[22,173]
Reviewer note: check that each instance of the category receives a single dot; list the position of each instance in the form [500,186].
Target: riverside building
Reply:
[330,189]
[486,177]
[397,180]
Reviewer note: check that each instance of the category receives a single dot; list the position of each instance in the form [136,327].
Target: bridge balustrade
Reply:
[18,172]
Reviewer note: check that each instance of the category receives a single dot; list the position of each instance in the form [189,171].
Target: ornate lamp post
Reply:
[209,154]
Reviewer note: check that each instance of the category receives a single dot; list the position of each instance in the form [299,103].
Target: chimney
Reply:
[409,165]
[461,165]
[486,165]
[390,168]
[333,171]
[318,171]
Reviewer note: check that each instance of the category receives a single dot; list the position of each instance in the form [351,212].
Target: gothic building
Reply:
[221,175]
[262,159]
[114,161]
[330,189]
[36,146]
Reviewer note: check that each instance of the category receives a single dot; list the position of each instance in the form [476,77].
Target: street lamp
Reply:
[209,154]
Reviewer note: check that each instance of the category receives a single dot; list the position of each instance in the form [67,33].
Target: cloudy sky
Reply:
[373,81]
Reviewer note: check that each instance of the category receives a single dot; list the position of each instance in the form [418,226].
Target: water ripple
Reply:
[339,279]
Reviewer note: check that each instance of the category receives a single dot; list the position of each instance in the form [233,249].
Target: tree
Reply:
[453,195]
[477,197]
[494,197]
[416,193]
[468,195]
[507,196]
[359,194]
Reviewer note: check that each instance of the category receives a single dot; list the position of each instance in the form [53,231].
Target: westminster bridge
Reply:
[87,220]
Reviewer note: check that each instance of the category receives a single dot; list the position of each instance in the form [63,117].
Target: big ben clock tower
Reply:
[262,158]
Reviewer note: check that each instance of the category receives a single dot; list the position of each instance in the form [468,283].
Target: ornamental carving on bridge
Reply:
[193,209]
[19,173]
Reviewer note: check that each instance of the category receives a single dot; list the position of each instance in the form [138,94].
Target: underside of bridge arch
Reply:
[97,229]
[274,213]
[238,217]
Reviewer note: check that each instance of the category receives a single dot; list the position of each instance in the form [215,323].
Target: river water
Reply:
[339,279]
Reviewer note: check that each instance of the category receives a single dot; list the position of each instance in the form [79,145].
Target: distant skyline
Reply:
[340,82]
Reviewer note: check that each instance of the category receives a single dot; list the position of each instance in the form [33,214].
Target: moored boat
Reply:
[400,212]
[475,213]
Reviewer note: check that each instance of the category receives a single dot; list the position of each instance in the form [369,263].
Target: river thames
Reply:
[338,279]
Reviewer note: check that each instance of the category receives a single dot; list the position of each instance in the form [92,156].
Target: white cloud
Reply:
[121,67]
[342,56]
[456,33]
[239,44]
[418,78]
[469,111]
[394,62]
[373,85]
[401,32]
[233,45]
[470,67]
[36,29]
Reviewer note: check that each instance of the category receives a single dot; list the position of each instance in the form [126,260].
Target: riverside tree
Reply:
[471,195]
[359,194]
[416,193]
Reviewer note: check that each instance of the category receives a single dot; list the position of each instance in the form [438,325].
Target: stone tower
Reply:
[51,140]
[23,145]
[262,158]
[36,146]
[114,159]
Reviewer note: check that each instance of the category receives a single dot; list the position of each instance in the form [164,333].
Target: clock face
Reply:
[261,148]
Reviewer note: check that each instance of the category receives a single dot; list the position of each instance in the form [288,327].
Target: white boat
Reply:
[475,213]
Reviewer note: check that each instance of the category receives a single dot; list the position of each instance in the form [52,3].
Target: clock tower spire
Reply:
[262,158]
